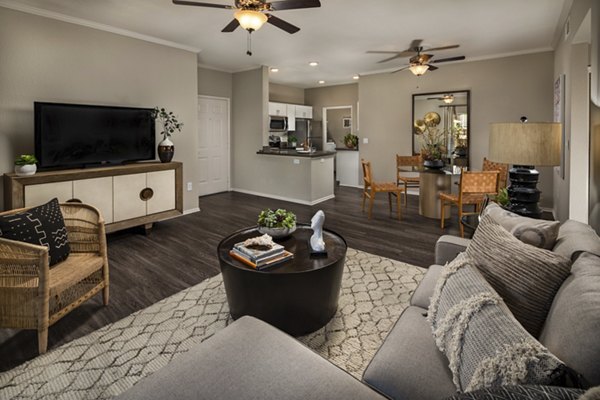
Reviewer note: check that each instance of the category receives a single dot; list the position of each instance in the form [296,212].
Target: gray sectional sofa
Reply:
[252,360]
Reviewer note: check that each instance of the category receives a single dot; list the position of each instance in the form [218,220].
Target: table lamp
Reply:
[525,145]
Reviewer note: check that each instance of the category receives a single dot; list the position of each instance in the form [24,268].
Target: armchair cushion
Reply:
[42,225]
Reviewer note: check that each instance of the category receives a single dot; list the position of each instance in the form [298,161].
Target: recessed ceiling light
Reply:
[321,82]
[274,69]
[356,77]
[313,63]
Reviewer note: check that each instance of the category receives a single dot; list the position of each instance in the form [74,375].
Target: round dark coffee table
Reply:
[297,296]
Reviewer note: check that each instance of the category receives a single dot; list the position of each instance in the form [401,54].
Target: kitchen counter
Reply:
[294,153]
[346,149]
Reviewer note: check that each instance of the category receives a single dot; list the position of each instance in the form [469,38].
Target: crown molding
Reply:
[14,5]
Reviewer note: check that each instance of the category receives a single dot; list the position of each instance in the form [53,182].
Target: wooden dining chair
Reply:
[472,190]
[502,169]
[406,174]
[371,188]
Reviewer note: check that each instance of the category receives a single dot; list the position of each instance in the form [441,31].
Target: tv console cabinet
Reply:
[126,195]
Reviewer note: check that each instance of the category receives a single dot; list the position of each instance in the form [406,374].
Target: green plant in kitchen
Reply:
[168,120]
[279,218]
[292,140]
[351,140]
[26,159]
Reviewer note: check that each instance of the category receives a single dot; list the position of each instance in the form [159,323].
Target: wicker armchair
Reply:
[33,296]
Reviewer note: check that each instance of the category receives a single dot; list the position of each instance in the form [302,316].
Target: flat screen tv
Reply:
[79,135]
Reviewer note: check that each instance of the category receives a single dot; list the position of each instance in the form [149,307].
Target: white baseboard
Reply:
[191,211]
[292,200]
[352,186]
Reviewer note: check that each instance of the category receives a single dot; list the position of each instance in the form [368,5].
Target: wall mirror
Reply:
[443,117]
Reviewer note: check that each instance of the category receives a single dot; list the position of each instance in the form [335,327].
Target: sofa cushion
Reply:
[251,360]
[485,344]
[526,277]
[572,329]
[447,248]
[536,232]
[574,238]
[424,291]
[521,392]
[408,365]
[42,225]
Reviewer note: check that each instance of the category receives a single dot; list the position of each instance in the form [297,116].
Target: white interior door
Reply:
[213,145]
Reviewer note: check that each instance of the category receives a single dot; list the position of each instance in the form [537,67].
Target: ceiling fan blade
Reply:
[414,45]
[293,4]
[389,59]
[281,24]
[453,46]
[383,52]
[231,26]
[401,69]
[195,3]
[449,59]
[432,67]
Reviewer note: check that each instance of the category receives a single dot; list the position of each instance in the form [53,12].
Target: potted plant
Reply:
[277,224]
[351,141]
[432,142]
[170,124]
[25,165]
[292,140]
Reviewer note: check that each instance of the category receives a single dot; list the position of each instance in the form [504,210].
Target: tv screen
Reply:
[77,135]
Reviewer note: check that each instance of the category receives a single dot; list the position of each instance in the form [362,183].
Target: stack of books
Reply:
[260,256]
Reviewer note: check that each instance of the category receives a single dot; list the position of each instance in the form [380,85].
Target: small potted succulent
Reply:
[277,224]
[25,165]
[170,124]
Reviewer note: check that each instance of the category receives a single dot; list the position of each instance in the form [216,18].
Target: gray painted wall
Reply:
[48,60]
[336,130]
[502,90]
[214,83]
[285,94]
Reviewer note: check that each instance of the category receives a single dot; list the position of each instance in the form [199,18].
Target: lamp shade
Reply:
[533,143]
[250,20]
[419,69]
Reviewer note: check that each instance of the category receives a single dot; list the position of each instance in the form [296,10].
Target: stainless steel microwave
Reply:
[278,124]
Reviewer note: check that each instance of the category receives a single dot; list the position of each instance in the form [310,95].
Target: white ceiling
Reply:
[337,34]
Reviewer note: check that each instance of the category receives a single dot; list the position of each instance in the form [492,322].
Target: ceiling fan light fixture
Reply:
[250,20]
[419,69]
[448,99]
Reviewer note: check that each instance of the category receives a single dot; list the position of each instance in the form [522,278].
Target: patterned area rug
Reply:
[375,291]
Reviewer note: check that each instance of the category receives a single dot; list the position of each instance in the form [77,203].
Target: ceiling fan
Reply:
[447,98]
[419,63]
[252,14]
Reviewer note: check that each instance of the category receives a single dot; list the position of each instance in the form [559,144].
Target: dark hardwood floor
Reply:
[181,252]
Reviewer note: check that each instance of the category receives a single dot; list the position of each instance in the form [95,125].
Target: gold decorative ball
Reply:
[419,127]
[432,118]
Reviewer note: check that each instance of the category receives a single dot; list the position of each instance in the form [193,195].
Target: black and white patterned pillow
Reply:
[524,392]
[43,225]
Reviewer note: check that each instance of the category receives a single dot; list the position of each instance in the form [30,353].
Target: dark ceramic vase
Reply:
[433,164]
[166,150]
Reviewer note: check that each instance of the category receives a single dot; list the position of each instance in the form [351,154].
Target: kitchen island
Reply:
[305,178]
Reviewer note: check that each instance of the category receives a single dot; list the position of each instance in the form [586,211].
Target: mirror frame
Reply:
[441,93]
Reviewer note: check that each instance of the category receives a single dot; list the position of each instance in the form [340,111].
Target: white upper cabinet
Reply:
[291,117]
[303,112]
[278,109]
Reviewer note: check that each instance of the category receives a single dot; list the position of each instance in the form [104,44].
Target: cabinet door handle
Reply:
[146,194]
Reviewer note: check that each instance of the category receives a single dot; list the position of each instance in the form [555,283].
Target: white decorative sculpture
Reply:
[316,240]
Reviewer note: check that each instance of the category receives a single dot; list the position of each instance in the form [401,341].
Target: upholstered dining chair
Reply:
[472,190]
[406,174]
[34,295]
[371,188]
[500,167]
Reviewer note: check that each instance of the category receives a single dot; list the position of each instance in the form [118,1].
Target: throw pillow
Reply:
[536,232]
[485,345]
[43,225]
[526,277]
